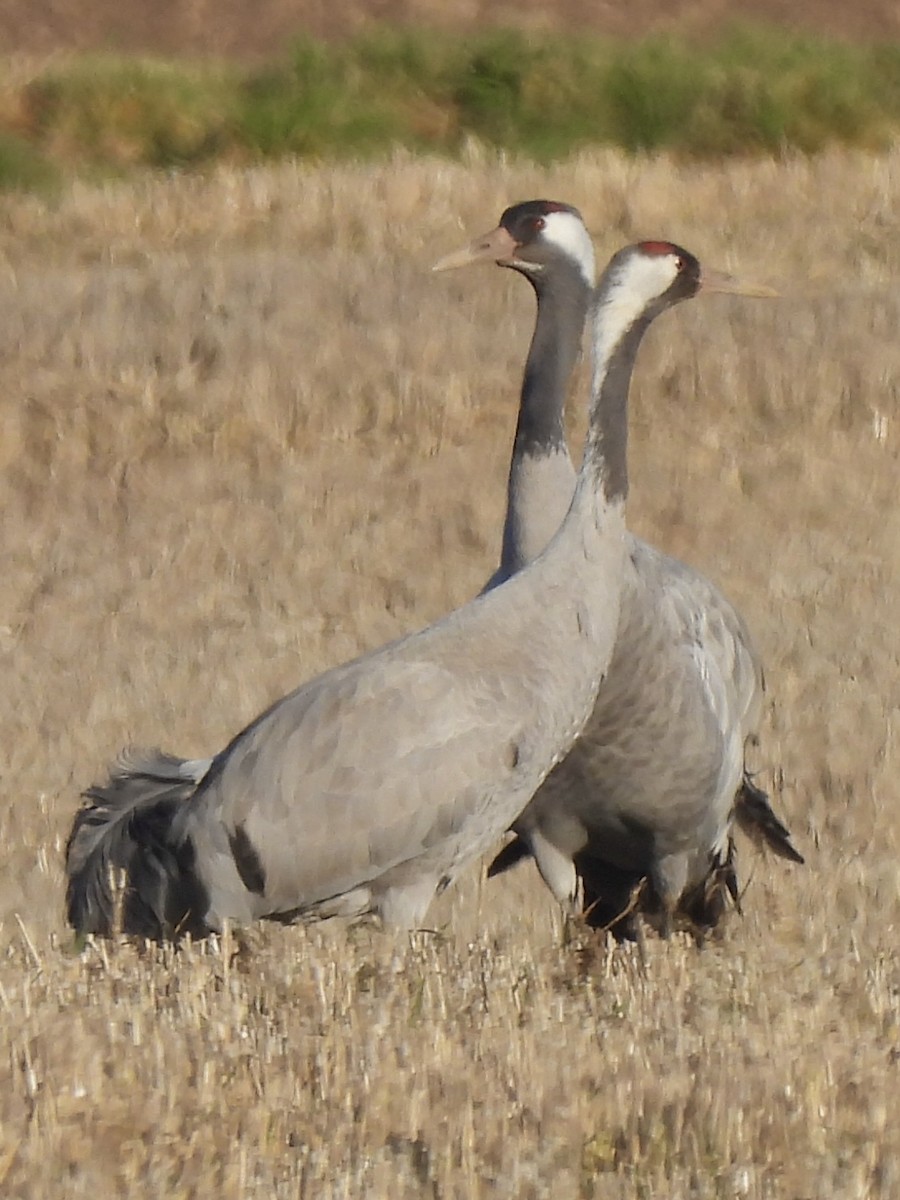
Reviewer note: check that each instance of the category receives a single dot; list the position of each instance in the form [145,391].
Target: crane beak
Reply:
[497,246]
[718,281]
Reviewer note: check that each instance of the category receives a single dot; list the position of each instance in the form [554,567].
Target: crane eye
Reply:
[538,224]
[680,264]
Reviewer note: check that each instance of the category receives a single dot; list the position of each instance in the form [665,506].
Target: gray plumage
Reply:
[371,787]
[656,782]
[368,789]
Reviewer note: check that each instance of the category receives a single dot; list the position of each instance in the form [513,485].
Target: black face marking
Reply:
[247,861]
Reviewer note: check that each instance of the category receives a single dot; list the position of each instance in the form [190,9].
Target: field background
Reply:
[244,434]
[237,29]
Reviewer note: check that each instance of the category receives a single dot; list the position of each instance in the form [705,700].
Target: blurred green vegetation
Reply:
[749,91]
[23,168]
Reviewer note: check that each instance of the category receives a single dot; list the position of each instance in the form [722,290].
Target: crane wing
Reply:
[356,773]
[703,620]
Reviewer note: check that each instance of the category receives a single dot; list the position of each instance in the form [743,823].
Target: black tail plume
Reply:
[124,829]
[756,819]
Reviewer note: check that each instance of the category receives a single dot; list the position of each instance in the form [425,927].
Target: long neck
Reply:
[541,475]
[604,470]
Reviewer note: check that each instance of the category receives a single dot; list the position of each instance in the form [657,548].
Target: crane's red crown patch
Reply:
[657,248]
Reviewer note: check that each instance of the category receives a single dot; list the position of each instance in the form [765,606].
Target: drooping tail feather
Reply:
[123,829]
[611,902]
[706,903]
[615,898]
[756,819]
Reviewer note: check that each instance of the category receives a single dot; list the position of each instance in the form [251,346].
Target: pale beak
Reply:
[497,246]
[718,281]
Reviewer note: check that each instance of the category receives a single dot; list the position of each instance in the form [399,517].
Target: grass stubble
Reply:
[245,435]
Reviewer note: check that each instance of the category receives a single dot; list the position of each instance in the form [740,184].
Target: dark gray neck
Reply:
[541,475]
[606,448]
[563,296]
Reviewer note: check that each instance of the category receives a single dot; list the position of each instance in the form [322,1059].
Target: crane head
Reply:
[656,274]
[530,238]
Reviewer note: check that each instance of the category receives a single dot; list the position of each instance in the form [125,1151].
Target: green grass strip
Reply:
[750,91]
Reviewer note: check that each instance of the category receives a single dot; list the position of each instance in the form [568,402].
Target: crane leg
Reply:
[558,872]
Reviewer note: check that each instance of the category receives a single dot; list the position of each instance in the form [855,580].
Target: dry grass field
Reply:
[245,434]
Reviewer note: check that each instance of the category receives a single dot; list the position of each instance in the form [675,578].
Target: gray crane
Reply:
[656,782]
[369,788]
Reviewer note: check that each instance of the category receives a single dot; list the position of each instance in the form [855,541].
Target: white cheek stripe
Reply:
[566,231]
[632,285]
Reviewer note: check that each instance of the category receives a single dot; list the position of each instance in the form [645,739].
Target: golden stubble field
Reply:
[245,435]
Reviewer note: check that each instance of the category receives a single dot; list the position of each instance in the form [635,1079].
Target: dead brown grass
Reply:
[244,435]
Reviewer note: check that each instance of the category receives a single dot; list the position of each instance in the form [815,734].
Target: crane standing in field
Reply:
[654,785]
[369,788]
